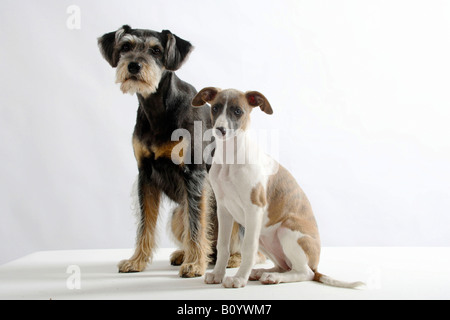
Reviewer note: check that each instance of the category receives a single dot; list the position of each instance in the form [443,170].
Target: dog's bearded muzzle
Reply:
[138,77]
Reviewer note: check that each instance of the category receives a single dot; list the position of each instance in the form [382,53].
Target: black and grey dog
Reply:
[145,62]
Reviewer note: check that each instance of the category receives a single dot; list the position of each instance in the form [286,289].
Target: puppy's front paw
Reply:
[234,282]
[213,278]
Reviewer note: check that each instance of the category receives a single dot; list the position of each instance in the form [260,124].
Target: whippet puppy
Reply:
[261,195]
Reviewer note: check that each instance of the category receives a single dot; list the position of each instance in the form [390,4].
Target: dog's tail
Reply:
[336,283]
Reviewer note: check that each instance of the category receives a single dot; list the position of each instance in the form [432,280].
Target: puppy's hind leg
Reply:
[296,257]
[149,200]
[256,274]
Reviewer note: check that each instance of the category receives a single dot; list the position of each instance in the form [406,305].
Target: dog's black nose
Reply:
[134,67]
[222,130]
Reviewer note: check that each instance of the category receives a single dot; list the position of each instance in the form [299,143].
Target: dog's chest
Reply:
[232,185]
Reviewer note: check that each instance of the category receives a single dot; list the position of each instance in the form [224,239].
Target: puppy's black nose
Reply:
[134,67]
[222,130]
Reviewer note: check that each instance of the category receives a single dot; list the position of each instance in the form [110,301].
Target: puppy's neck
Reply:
[234,150]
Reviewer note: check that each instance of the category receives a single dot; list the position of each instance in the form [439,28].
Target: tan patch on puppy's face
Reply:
[258,196]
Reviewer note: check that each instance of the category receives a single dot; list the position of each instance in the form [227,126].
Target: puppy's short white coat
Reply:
[260,195]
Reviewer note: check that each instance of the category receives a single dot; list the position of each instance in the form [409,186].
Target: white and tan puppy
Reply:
[254,190]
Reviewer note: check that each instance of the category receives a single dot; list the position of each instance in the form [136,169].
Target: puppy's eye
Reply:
[156,51]
[216,108]
[238,111]
[125,48]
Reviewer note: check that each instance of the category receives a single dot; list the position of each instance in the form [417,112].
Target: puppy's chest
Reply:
[232,185]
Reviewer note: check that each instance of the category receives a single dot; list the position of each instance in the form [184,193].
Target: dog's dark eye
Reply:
[238,111]
[215,108]
[155,50]
[125,48]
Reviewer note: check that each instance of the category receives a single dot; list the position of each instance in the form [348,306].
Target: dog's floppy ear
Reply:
[256,99]
[205,95]
[176,51]
[107,45]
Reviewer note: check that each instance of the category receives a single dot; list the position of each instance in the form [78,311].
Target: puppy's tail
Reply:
[336,283]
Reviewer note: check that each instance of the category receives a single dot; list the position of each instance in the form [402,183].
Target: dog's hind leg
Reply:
[149,200]
[177,225]
[235,246]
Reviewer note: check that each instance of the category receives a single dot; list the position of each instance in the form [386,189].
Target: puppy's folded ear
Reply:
[176,51]
[256,99]
[107,45]
[205,95]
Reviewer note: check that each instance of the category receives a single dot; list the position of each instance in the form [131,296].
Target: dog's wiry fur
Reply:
[145,62]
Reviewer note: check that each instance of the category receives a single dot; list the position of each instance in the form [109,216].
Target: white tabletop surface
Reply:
[390,273]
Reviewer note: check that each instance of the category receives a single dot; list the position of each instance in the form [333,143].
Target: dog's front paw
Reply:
[191,270]
[128,266]
[213,278]
[234,261]
[234,282]
[177,258]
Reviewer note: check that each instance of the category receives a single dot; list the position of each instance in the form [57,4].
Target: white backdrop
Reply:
[360,92]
